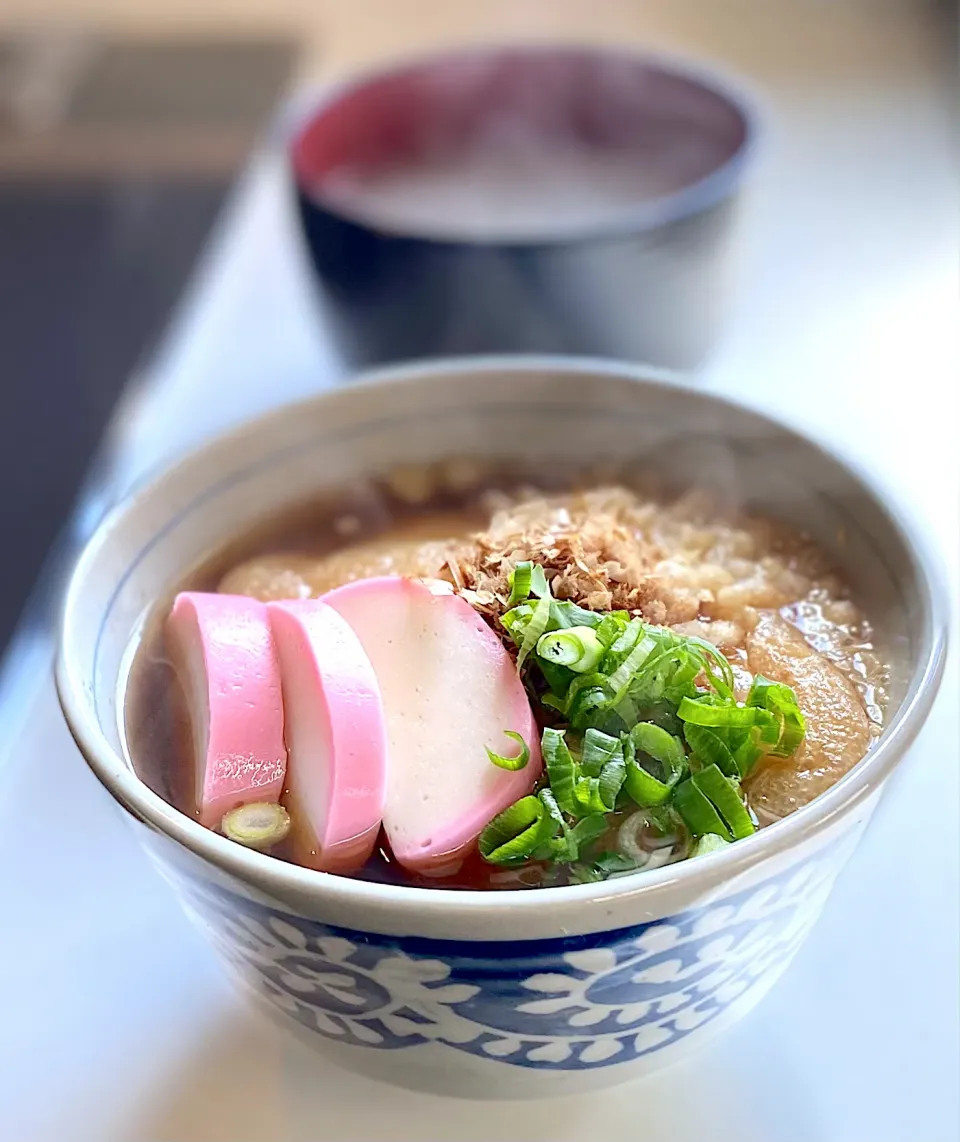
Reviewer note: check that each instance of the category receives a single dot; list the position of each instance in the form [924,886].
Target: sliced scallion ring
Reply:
[259,825]
[643,787]
[577,648]
[662,746]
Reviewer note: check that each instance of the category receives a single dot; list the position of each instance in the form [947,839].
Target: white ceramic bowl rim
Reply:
[698,877]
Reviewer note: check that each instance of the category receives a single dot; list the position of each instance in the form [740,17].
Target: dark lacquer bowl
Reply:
[524,199]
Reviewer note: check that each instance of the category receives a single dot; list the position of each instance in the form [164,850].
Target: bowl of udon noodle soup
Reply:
[504,723]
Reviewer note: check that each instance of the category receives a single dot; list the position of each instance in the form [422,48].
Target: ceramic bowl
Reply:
[508,993]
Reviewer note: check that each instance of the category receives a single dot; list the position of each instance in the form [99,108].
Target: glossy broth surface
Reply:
[724,577]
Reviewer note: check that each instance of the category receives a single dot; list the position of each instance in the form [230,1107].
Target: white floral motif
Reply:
[673,978]
[407,996]
[634,993]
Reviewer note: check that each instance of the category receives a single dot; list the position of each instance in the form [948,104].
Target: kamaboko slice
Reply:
[336,737]
[226,660]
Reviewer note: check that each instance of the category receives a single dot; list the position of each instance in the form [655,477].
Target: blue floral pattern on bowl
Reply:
[562,1004]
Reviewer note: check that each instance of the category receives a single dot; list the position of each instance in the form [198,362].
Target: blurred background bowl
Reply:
[535,199]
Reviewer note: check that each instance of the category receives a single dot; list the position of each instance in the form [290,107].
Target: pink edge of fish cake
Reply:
[336,737]
[227,663]
[449,689]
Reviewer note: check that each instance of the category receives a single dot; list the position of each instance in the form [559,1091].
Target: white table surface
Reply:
[116,1025]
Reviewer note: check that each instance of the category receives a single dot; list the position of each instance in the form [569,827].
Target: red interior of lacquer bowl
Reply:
[594,99]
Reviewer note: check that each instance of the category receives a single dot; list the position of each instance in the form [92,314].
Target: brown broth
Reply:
[155,716]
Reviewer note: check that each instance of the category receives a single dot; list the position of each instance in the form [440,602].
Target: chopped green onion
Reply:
[511,763]
[642,697]
[709,748]
[577,648]
[652,830]
[538,582]
[619,681]
[722,678]
[768,727]
[564,614]
[561,771]
[780,701]
[661,714]
[611,627]
[642,786]
[662,747]
[558,678]
[626,639]
[554,702]
[602,670]
[626,710]
[603,771]
[553,809]
[698,812]
[586,831]
[534,629]
[581,685]
[709,843]
[513,835]
[611,780]
[704,713]
[516,619]
[598,748]
[662,668]
[259,825]
[589,701]
[599,794]
[553,847]
[567,846]
[724,795]
[520,583]
[586,792]
[644,666]
[746,755]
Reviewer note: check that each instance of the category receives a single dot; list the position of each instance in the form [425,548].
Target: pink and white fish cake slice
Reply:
[336,736]
[227,663]
[449,691]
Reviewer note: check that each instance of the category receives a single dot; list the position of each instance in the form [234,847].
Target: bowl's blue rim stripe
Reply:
[813,869]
